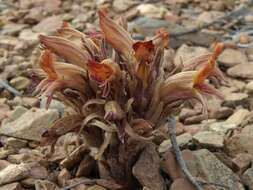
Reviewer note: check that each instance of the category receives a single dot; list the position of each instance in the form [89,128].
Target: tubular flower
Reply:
[59,76]
[117,87]
[208,63]
[190,84]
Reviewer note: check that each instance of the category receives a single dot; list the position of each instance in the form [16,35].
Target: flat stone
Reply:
[151,10]
[12,29]
[238,117]
[221,113]
[249,87]
[63,177]
[236,99]
[239,143]
[242,70]
[4,153]
[15,114]
[209,16]
[213,170]
[122,5]
[242,161]
[48,25]
[20,83]
[247,178]
[14,173]
[231,57]
[15,143]
[147,169]
[96,187]
[4,164]
[182,184]
[222,127]
[209,139]
[182,141]
[185,53]
[30,125]
[45,184]
[12,186]
[147,26]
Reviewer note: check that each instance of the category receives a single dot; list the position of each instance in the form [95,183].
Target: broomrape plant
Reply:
[116,84]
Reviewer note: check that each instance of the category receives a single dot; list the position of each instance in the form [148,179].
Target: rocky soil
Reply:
[216,150]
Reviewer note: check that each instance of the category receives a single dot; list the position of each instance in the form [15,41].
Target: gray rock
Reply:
[20,83]
[147,169]
[96,187]
[243,70]
[14,173]
[12,29]
[148,26]
[214,171]
[249,87]
[247,130]
[151,10]
[221,127]
[242,161]
[122,5]
[240,143]
[4,153]
[247,177]
[231,57]
[15,143]
[30,125]
[185,53]
[238,117]
[48,25]
[182,141]
[236,99]
[15,114]
[55,104]
[221,113]
[209,139]
[182,184]
[45,184]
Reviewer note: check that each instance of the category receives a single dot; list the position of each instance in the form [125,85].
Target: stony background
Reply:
[218,150]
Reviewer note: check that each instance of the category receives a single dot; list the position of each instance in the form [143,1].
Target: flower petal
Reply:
[144,51]
[66,49]
[46,64]
[115,35]
[99,71]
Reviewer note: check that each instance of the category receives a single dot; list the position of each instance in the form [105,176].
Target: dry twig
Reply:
[172,130]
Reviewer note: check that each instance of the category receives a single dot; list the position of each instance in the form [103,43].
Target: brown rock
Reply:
[242,161]
[242,70]
[14,172]
[236,99]
[12,186]
[239,143]
[232,57]
[63,177]
[181,184]
[146,169]
[86,166]
[221,113]
[48,25]
[45,185]
[169,166]
[213,170]
[4,164]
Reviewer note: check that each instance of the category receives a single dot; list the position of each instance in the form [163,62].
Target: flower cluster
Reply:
[116,83]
